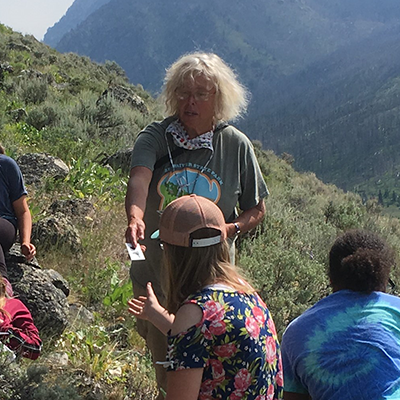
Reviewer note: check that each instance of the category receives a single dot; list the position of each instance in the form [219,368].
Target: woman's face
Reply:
[196,105]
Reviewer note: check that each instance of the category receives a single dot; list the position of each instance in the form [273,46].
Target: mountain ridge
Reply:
[314,69]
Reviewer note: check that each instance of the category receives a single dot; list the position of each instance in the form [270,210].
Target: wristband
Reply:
[237,228]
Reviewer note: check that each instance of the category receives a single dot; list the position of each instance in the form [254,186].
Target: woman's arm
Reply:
[24,220]
[135,203]
[248,219]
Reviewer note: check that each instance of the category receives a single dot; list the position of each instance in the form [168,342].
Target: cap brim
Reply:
[155,234]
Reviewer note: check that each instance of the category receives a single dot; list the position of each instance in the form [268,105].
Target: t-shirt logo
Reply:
[187,181]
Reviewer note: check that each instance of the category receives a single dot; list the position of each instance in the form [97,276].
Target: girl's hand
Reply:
[147,308]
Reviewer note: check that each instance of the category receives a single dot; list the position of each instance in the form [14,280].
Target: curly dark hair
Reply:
[360,261]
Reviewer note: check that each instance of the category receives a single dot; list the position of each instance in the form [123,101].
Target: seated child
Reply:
[347,346]
[17,330]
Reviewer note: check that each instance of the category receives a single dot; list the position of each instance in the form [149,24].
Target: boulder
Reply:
[119,160]
[19,114]
[37,290]
[57,280]
[56,231]
[19,47]
[35,167]
[125,95]
[79,315]
[31,73]
[5,67]
[77,210]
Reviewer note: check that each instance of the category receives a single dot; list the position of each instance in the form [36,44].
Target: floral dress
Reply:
[235,343]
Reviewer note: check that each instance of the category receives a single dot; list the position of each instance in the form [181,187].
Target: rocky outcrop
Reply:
[119,160]
[77,210]
[56,231]
[5,67]
[125,95]
[43,292]
[19,114]
[35,167]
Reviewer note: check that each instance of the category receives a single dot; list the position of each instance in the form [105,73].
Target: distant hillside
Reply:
[339,117]
[323,74]
[76,14]
[263,39]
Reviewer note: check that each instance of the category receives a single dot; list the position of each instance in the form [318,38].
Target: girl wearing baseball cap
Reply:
[222,342]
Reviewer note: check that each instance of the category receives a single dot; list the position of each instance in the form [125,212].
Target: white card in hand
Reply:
[135,254]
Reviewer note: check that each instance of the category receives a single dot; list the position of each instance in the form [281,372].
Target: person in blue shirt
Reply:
[347,346]
[14,213]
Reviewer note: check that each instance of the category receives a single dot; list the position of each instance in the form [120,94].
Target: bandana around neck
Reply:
[181,138]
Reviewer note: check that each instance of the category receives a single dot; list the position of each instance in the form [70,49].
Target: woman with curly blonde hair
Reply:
[193,150]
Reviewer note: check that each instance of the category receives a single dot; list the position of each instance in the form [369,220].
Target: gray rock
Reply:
[19,47]
[33,286]
[78,314]
[18,114]
[14,255]
[31,73]
[78,210]
[56,231]
[35,167]
[5,67]
[57,359]
[58,281]
[119,160]
[125,95]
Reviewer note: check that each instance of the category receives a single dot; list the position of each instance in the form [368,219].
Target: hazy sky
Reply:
[32,16]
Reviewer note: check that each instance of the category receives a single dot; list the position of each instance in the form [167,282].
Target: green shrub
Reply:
[41,117]
[88,179]
[33,91]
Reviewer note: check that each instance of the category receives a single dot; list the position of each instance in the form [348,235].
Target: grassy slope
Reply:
[285,256]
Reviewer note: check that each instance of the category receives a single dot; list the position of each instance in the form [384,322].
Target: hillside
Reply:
[76,14]
[254,37]
[338,118]
[54,103]
[323,75]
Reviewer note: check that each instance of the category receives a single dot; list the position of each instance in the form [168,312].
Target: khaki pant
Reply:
[156,342]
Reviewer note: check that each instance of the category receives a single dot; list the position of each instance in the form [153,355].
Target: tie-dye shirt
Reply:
[235,343]
[347,346]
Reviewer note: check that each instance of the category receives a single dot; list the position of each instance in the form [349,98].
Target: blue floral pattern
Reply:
[235,343]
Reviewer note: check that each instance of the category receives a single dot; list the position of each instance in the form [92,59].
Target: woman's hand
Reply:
[135,232]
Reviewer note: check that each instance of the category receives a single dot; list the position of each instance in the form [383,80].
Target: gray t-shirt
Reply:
[231,177]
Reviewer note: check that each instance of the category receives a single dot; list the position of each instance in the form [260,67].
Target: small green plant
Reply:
[88,179]
[119,294]
[97,281]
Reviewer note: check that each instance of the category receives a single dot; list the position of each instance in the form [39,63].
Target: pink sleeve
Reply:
[23,335]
